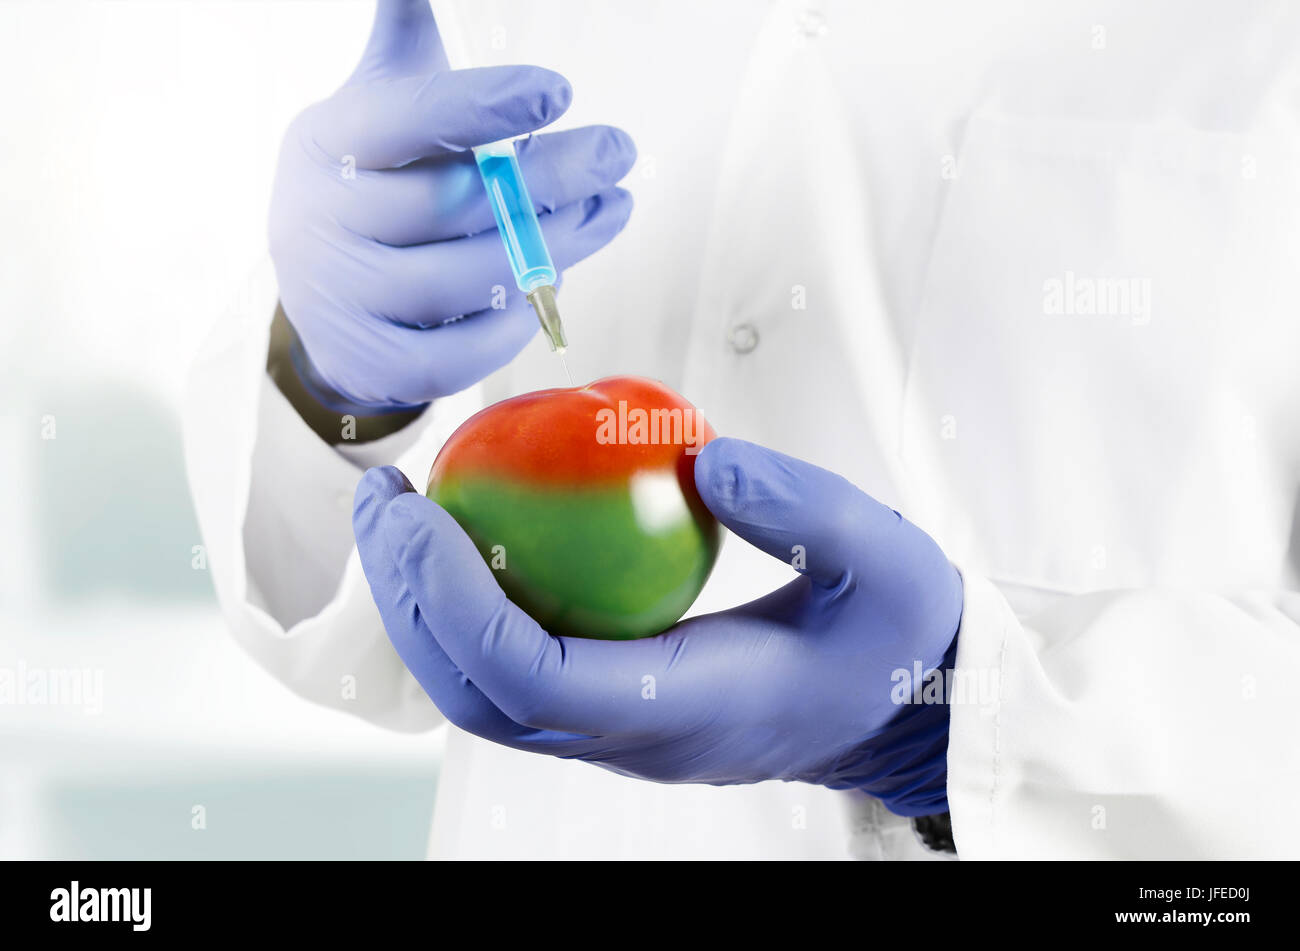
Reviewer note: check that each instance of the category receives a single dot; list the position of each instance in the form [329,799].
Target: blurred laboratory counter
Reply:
[148,734]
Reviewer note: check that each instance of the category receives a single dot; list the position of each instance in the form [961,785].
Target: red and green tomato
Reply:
[583,502]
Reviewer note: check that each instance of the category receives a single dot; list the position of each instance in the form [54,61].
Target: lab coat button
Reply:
[812,23]
[743,338]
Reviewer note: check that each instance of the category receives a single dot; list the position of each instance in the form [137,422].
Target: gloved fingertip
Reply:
[561,97]
[719,476]
[402,530]
[623,200]
[616,152]
[413,522]
[555,94]
[378,486]
[506,101]
[407,510]
[612,208]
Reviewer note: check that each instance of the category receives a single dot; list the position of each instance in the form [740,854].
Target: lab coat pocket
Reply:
[1102,353]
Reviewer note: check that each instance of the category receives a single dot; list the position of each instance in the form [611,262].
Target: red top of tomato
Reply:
[602,432]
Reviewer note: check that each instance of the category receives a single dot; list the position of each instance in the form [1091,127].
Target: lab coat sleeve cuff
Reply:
[975,709]
[274,504]
[399,445]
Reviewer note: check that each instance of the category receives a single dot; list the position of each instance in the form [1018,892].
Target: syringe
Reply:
[522,235]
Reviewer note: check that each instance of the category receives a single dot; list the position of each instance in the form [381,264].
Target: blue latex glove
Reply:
[381,233]
[794,686]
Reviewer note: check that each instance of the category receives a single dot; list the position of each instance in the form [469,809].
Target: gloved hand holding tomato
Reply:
[797,685]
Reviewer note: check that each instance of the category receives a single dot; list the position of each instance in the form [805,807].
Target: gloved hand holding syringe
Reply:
[390,282]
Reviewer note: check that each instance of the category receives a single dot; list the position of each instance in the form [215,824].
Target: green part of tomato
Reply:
[614,562]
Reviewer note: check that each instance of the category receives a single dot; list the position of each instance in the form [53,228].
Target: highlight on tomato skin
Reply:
[582,500]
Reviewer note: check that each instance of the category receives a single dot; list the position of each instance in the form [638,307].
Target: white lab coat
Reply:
[866,234]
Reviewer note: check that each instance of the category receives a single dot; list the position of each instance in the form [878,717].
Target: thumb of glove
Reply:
[831,531]
[404,41]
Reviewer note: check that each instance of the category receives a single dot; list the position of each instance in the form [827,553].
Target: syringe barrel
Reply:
[516,218]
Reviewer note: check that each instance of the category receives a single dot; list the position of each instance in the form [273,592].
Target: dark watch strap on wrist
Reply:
[334,425]
[935,832]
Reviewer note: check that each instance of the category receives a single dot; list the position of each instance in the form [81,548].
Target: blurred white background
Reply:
[137,147]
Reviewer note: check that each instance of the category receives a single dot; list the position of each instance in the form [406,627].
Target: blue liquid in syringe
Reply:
[517,220]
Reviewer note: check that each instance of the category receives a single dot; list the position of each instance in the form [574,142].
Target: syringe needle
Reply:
[566,367]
